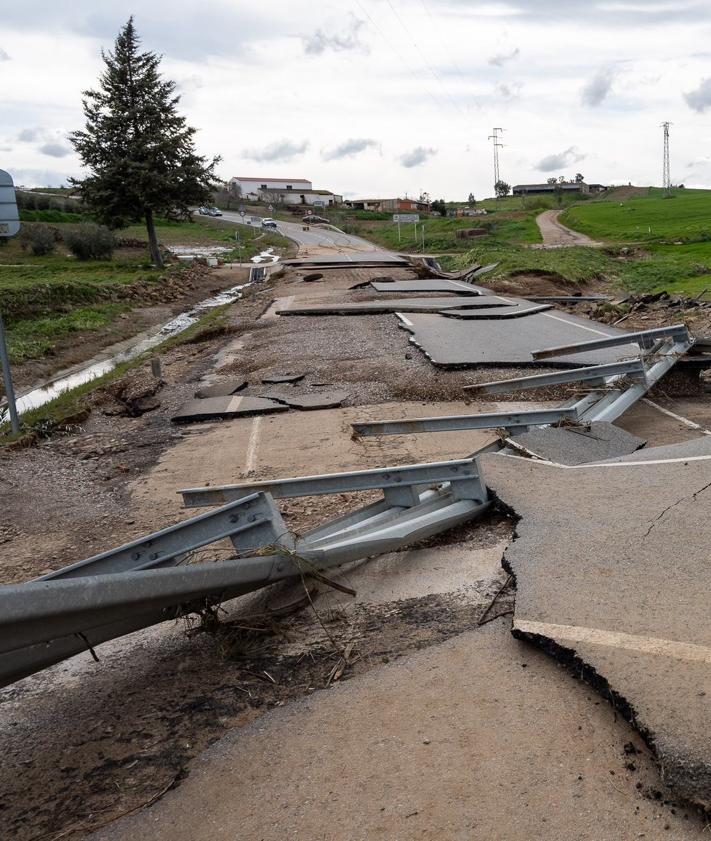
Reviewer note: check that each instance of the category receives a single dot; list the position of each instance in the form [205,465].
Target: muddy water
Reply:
[108,359]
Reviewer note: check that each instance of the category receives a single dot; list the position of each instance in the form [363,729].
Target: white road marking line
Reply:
[545,463]
[253,445]
[581,326]
[679,418]
[569,323]
[616,639]
[403,319]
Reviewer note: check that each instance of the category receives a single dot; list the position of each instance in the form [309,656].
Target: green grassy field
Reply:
[441,234]
[685,216]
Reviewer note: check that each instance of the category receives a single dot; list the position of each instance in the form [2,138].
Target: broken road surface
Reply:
[613,578]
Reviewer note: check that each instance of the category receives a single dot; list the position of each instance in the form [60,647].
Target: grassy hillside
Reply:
[44,299]
[684,215]
[679,270]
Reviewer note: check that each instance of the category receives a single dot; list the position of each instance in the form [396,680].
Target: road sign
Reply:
[241,213]
[270,208]
[9,217]
[406,217]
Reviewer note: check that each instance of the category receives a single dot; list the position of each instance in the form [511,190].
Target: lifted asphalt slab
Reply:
[507,311]
[453,343]
[378,307]
[429,285]
[310,400]
[214,408]
[284,378]
[579,445]
[613,579]
[221,389]
[685,449]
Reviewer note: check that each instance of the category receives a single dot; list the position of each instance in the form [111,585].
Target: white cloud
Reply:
[416,156]
[279,150]
[3,55]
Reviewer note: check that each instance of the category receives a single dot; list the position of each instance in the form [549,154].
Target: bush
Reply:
[40,239]
[90,242]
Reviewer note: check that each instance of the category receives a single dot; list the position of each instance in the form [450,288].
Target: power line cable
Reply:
[434,73]
[400,56]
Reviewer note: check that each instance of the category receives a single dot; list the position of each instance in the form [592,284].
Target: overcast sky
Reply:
[383,97]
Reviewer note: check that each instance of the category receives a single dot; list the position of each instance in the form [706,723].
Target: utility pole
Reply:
[666,175]
[497,144]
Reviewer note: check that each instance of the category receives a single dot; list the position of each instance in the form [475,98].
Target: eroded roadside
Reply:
[110,737]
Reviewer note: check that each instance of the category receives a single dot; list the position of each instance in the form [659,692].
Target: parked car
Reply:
[215,211]
[204,211]
[314,220]
[269,223]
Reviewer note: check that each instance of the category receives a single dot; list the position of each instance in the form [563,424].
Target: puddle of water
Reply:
[198,250]
[266,256]
[43,394]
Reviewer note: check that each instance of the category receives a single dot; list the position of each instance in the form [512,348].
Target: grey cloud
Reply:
[55,150]
[3,55]
[509,92]
[559,160]
[280,150]
[349,148]
[349,39]
[182,30]
[30,135]
[700,99]
[416,156]
[501,59]
[596,90]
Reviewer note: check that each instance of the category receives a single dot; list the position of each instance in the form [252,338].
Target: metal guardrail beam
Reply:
[644,338]
[451,423]
[599,373]
[250,522]
[383,478]
[610,411]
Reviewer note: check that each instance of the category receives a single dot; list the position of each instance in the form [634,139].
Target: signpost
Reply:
[406,217]
[9,226]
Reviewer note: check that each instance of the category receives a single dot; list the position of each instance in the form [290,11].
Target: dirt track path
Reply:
[556,235]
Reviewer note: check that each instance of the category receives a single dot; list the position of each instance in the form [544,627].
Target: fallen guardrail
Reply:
[155,578]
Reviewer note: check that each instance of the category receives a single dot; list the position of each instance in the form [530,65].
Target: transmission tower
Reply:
[496,138]
[666,176]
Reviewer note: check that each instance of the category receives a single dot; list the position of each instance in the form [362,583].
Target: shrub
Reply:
[40,239]
[90,242]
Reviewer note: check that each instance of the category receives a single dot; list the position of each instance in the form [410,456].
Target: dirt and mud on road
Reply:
[474,732]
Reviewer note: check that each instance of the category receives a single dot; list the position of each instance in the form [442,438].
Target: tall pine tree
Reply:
[139,151]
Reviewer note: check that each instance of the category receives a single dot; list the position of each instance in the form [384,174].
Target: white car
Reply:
[269,223]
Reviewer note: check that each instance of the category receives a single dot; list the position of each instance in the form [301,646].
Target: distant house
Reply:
[389,205]
[313,198]
[294,191]
[564,187]
[249,187]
